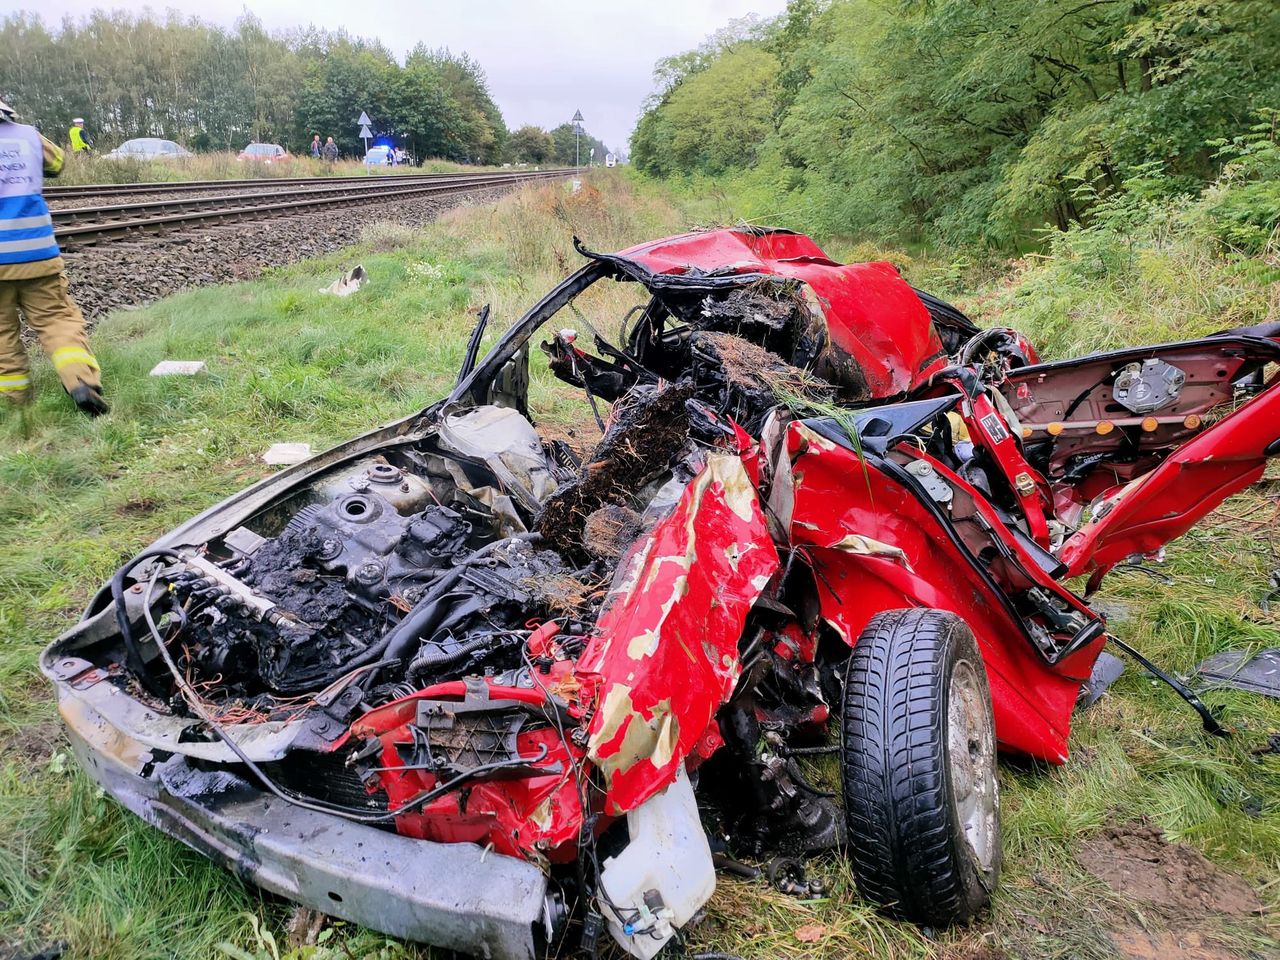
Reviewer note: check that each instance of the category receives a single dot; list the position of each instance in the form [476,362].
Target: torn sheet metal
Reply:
[1241,670]
[677,612]
[879,331]
[835,497]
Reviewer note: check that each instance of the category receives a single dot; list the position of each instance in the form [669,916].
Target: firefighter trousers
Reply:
[52,314]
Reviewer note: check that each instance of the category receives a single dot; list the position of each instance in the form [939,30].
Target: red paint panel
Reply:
[1166,502]
[665,654]
[529,817]
[837,497]
[872,314]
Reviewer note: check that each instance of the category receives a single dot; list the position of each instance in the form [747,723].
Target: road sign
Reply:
[365,134]
[577,132]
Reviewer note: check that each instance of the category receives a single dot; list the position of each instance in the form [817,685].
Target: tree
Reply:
[211,88]
[570,148]
[976,119]
[531,144]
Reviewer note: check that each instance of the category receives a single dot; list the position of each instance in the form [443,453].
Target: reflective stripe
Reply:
[32,243]
[31,256]
[16,382]
[66,356]
[26,229]
[23,223]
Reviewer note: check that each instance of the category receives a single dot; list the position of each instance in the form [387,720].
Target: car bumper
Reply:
[449,895]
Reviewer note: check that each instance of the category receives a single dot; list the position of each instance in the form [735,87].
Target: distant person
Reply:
[330,151]
[315,147]
[33,276]
[80,142]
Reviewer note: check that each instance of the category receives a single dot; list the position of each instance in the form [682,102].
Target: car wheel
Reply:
[919,768]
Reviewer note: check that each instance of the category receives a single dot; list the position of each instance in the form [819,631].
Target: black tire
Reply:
[923,831]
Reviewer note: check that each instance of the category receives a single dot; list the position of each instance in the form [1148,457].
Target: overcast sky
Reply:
[544,58]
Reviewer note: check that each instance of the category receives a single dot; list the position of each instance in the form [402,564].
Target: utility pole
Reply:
[577,133]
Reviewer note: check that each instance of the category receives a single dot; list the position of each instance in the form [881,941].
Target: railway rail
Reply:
[81,190]
[78,227]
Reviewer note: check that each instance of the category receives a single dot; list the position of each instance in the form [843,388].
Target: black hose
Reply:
[807,751]
[1211,724]
[793,771]
[435,657]
[395,644]
[133,652]
[735,867]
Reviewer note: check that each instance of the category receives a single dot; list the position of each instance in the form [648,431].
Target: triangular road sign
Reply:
[364,121]
[364,131]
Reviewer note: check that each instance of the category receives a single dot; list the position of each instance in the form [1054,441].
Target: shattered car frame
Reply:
[454,681]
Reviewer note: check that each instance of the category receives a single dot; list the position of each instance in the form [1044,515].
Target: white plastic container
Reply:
[663,876]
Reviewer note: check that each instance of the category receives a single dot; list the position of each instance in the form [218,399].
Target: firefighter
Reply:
[80,142]
[33,276]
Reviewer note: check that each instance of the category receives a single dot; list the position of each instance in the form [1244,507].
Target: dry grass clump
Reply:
[386,235]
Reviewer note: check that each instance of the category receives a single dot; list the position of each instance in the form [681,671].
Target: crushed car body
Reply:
[461,683]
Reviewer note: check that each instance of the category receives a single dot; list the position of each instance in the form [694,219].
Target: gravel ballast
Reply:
[130,273]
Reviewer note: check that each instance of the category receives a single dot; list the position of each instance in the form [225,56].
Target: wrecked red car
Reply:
[461,683]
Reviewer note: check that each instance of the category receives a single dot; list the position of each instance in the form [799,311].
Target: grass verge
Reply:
[287,363]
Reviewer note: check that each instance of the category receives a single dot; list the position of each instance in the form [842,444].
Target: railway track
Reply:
[80,190]
[79,227]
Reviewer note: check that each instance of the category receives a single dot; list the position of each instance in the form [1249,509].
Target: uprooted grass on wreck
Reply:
[287,363]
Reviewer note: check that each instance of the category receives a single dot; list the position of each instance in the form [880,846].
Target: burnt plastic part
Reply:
[602,378]
[491,906]
[1211,724]
[1106,671]
[330,574]
[1241,670]
[473,344]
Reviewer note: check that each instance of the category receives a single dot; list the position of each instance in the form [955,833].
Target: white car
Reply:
[148,148]
[380,156]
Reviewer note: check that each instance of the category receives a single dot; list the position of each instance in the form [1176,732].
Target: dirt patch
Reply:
[32,744]
[1134,943]
[579,440]
[645,432]
[973,951]
[748,379]
[137,507]
[1138,863]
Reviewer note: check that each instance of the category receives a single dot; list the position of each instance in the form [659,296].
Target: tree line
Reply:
[558,146]
[973,120]
[211,88]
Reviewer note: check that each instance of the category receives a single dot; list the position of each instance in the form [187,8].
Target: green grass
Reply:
[287,363]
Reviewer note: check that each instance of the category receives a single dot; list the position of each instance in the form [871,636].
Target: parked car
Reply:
[264,153]
[148,148]
[379,156]
[458,681]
